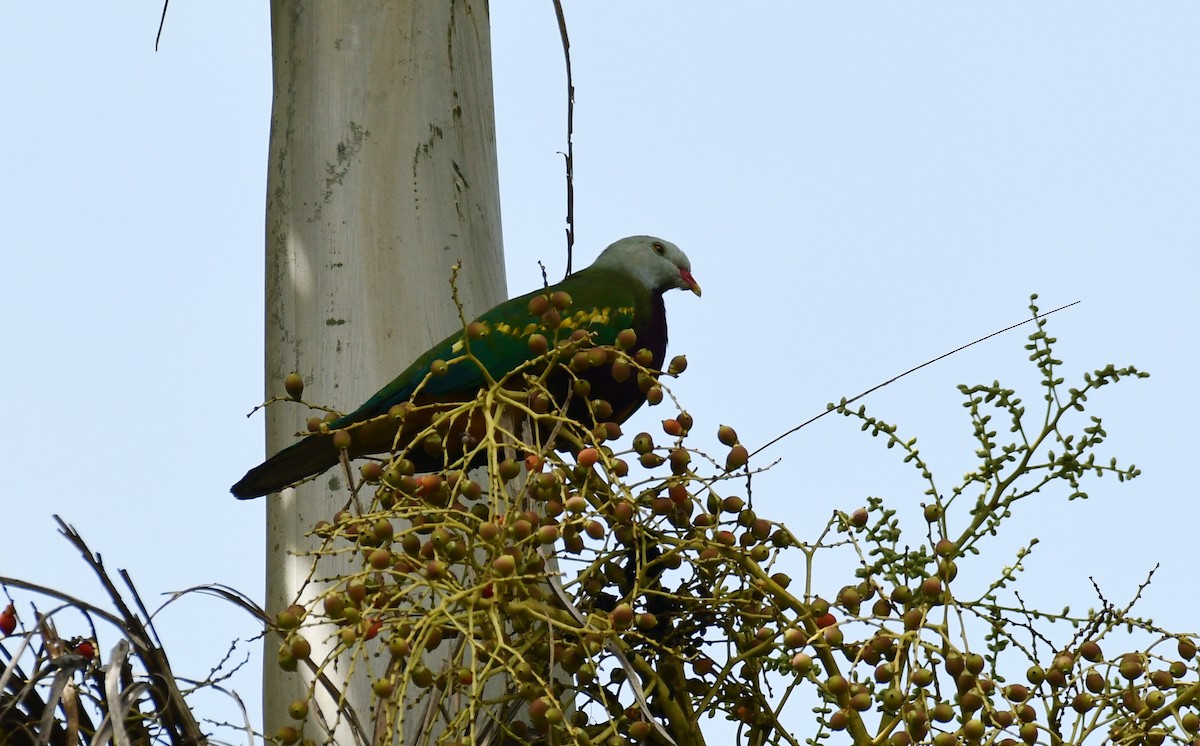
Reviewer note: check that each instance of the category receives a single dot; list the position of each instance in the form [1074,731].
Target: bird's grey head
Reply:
[653,262]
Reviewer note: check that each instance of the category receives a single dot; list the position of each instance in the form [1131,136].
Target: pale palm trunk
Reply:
[382,174]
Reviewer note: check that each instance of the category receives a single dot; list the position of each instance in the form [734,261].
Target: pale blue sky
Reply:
[860,187]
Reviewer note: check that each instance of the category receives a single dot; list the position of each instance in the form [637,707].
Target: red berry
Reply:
[587,457]
[8,620]
[373,627]
[538,305]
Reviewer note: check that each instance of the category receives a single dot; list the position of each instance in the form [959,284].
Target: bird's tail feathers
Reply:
[307,458]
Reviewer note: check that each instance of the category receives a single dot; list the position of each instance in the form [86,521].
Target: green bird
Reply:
[622,289]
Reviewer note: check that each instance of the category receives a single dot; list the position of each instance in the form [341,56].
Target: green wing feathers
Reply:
[602,302]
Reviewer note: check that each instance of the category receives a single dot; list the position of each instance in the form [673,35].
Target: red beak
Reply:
[691,281]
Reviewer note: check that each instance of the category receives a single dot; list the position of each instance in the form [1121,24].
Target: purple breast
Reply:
[625,397]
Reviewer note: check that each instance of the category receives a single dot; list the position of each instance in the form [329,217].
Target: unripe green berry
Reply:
[341,440]
[538,305]
[293,384]
[1131,666]
[560,299]
[1083,702]
[737,458]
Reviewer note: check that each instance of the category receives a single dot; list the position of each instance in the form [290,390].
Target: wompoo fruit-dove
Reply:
[622,290]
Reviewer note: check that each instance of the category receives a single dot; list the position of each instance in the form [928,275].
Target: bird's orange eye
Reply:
[658,248]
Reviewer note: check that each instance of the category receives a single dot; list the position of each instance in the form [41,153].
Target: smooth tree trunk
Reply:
[382,174]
